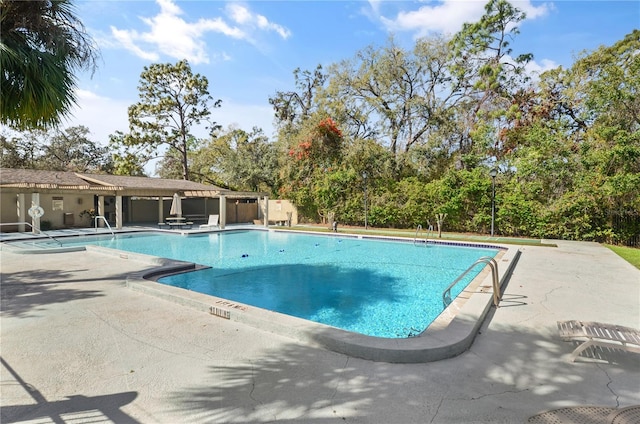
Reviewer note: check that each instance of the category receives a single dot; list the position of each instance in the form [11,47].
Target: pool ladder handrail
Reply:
[446,295]
[419,230]
[95,223]
[39,231]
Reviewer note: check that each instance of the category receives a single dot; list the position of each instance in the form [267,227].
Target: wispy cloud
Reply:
[170,34]
[127,39]
[243,16]
[446,16]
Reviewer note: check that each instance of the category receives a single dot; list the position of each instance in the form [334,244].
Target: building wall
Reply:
[145,210]
[199,206]
[241,212]
[55,208]
[278,209]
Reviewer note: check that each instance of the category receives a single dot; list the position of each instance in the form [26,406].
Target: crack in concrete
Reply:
[435,415]
[253,388]
[498,394]
[253,384]
[613,392]
[335,391]
[546,297]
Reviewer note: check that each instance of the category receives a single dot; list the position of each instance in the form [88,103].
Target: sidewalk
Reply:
[77,346]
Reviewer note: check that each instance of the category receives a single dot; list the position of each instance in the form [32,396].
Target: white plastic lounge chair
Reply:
[213,222]
[599,334]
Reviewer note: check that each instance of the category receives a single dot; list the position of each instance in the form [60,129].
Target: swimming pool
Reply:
[381,288]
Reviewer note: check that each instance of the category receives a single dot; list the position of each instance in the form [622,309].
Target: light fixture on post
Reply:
[493,173]
[364,178]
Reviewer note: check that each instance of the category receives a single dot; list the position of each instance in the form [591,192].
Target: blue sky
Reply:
[248,50]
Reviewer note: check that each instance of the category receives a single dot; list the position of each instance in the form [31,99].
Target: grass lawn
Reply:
[478,238]
[629,254]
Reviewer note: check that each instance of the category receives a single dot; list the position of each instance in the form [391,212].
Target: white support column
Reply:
[22,211]
[266,211]
[129,216]
[223,211]
[35,221]
[101,211]
[119,218]
[160,208]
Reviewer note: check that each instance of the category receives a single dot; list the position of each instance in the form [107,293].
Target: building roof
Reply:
[51,181]
[28,177]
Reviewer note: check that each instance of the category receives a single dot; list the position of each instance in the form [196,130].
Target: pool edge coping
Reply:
[446,337]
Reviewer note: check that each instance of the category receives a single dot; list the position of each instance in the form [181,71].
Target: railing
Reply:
[38,230]
[95,223]
[415,238]
[419,230]
[446,295]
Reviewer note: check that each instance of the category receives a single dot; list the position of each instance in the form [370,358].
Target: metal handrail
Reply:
[415,238]
[39,231]
[420,230]
[446,294]
[95,223]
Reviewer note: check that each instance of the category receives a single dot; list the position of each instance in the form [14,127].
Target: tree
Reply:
[402,98]
[172,101]
[18,151]
[171,166]
[129,158]
[252,163]
[578,148]
[291,107]
[315,150]
[237,159]
[384,83]
[56,150]
[42,44]
[72,150]
[609,81]
[483,64]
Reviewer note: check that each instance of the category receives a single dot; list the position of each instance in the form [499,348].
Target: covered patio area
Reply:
[69,199]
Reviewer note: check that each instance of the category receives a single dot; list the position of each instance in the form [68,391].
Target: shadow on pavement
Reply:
[76,408]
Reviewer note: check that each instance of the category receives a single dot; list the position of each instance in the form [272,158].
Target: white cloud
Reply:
[446,16]
[532,11]
[534,68]
[126,39]
[171,35]
[242,15]
[239,14]
[102,115]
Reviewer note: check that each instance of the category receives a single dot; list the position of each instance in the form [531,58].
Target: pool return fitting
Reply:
[446,295]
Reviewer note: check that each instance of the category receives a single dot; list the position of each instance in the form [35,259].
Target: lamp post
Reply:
[364,178]
[493,173]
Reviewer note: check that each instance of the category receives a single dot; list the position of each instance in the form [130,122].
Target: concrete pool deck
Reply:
[78,346]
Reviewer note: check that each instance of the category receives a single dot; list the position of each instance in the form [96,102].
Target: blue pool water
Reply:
[379,288]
